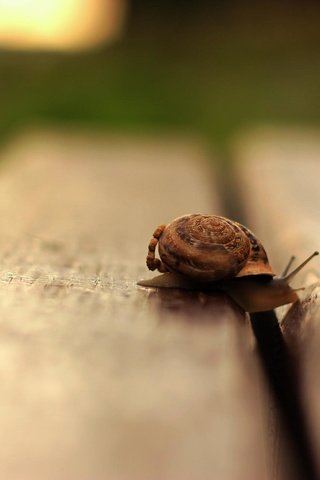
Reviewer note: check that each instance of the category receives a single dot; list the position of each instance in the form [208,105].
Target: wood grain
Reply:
[278,174]
[101,379]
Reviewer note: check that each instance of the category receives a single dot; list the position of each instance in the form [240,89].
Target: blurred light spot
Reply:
[59,24]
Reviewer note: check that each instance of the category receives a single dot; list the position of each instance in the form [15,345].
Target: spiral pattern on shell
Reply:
[211,247]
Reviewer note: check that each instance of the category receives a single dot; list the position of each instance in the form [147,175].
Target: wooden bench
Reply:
[101,379]
[278,176]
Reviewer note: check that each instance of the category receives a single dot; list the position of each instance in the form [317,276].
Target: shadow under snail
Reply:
[210,252]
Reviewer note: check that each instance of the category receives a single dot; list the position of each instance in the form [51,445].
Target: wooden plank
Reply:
[278,173]
[101,379]
[278,179]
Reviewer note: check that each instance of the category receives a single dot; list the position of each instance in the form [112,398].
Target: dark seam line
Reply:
[280,375]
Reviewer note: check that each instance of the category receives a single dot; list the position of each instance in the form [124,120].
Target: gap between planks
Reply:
[278,176]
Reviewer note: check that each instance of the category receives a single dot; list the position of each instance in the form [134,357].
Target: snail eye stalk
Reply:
[291,275]
[286,270]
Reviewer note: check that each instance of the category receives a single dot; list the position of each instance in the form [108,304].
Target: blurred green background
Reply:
[206,67]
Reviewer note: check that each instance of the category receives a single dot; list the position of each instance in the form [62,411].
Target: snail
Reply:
[211,252]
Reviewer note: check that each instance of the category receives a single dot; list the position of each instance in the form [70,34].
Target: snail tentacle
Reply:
[288,266]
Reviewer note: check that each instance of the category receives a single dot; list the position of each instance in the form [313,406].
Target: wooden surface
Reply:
[101,379]
[279,172]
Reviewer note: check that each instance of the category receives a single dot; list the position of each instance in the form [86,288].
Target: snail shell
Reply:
[208,248]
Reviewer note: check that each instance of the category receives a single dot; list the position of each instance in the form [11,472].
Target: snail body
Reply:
[211,252]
